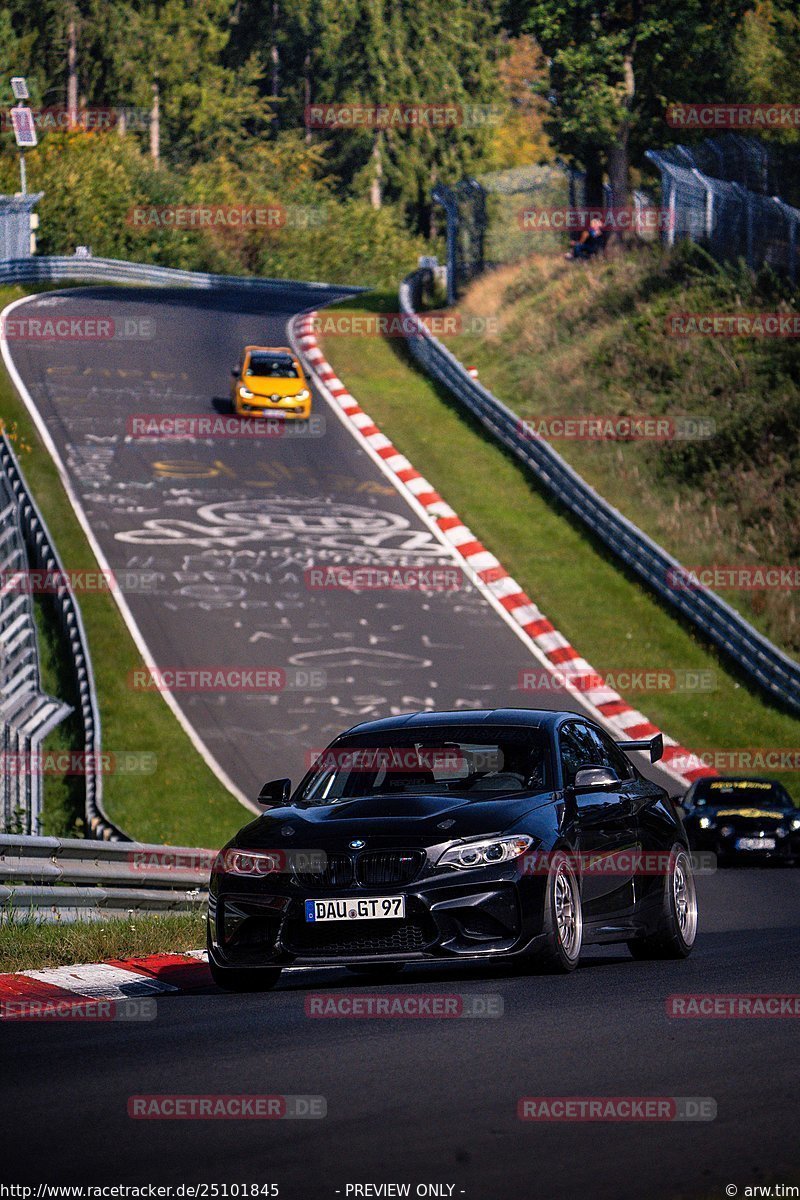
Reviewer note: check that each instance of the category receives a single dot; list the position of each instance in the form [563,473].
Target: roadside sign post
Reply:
[24,128]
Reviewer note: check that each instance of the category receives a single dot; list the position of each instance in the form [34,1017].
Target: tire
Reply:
[379,972]
[677,928]
[563,920]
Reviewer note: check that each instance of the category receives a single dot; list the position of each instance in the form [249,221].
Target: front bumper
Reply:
[287,408]
[489,914]
[727,847]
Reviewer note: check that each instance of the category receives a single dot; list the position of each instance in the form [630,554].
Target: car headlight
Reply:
[304,395]
[485,853]
[705,822]
[245,393]
[246,862]
[726,831]
[795,824]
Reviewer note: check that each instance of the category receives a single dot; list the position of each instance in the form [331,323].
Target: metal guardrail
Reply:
[757,658]
[27,714]
[42,555]
[63,878]
[112,270]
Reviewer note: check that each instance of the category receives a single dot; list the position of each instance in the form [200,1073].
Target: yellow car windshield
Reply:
[271,366]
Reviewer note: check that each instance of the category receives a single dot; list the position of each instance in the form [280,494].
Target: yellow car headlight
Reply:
[245,393]
[304,395]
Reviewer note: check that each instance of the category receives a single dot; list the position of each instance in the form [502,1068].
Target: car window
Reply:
[443,761]
[583,745]
[614,757]
[577,749]
[719,793]
[271,366]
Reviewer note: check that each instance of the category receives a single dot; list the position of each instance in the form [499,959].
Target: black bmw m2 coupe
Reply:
[511,833]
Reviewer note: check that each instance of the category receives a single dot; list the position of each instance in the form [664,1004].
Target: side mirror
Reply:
[236,372]
[595,779]
[275,793]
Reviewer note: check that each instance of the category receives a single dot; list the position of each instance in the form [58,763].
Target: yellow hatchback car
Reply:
[270,383]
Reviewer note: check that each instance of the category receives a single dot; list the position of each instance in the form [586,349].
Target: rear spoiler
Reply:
[655,745]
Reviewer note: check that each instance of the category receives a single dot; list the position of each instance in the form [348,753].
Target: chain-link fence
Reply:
[503,217]
[730,193]
[733,220]
[764,167]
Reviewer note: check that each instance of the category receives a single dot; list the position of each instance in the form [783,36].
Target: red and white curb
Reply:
[550,646]
[58,991]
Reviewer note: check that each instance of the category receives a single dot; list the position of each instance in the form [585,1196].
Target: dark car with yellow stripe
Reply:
[742,819]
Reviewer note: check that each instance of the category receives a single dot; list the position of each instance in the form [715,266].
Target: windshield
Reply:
[273,366]
[724,793]
[476,764]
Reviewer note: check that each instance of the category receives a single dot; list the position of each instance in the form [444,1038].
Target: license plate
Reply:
[374,908]
[755,843]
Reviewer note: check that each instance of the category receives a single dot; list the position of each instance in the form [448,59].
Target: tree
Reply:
[767,65]
[393,52]
[614,68]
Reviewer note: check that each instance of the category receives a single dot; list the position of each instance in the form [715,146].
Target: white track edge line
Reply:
[122,605]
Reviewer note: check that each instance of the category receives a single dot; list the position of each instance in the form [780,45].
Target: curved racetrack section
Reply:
[230,526]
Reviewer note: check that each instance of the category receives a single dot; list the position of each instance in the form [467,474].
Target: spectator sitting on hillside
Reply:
[591,241]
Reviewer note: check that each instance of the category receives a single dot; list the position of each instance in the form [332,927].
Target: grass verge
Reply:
[181,802]
[598,339]
[27,944]
[609,616]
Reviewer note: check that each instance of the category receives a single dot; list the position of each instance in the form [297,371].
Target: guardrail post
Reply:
[444,196]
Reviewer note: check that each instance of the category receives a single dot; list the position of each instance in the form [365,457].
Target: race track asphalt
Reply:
[225,529]
[434,1100]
